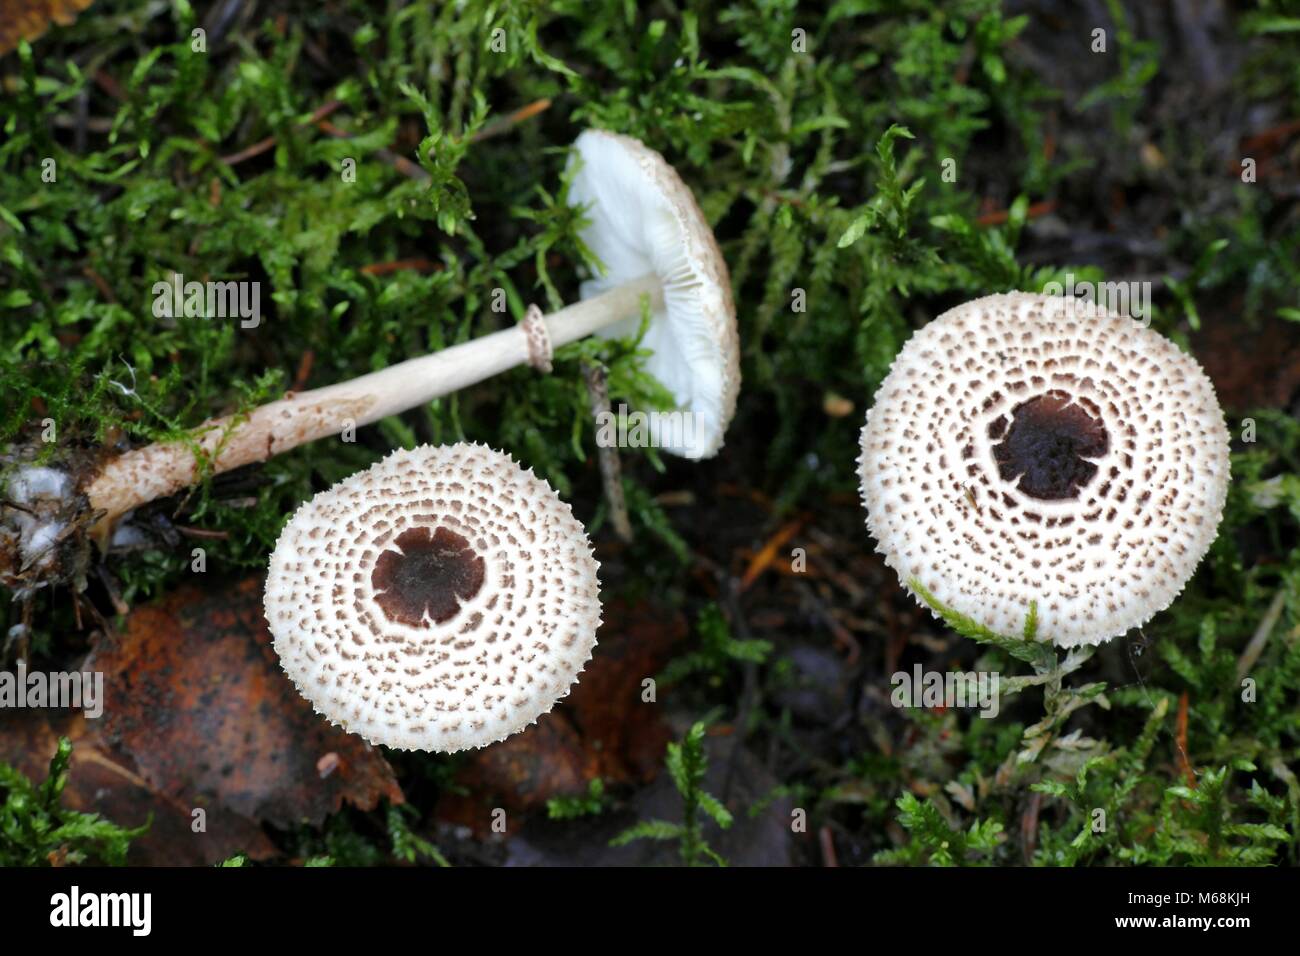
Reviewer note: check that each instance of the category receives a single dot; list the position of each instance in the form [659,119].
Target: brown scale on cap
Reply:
[1023,448]
[426,574]
[1047,446]
[440,600]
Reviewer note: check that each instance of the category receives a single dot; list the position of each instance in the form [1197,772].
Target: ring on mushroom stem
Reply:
[1019,451]
[647,229]
[443,599]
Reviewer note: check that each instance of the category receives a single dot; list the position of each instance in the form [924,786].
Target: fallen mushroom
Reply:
[1025,449]
[645,226]
[443,599]
[643,220]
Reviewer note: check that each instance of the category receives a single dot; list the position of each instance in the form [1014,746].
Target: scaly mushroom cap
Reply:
[643,220]
[443,599]
[1025,448]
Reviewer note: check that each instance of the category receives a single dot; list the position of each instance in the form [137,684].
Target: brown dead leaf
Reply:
[195,695]
[519,774]
[105,782]
[28,19]
[627,734]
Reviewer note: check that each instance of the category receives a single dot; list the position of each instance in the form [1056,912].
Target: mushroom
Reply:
[646,227]
[644,221]
[443,599]
[1023,449]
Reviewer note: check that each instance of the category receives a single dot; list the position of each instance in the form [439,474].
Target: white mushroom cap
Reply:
[443,599]
[644,220]
[1028,448]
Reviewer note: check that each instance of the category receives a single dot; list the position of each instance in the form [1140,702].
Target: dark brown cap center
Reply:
[427,572]
[1047,444]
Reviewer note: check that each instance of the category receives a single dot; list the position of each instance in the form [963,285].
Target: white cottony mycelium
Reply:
[441,600]
[35,520]
[1023,451]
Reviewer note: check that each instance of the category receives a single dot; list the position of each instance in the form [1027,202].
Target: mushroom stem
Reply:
[581,319]
[157,471]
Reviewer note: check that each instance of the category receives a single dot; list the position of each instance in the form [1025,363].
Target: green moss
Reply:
[37,830]
[686,763]
[824,174]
